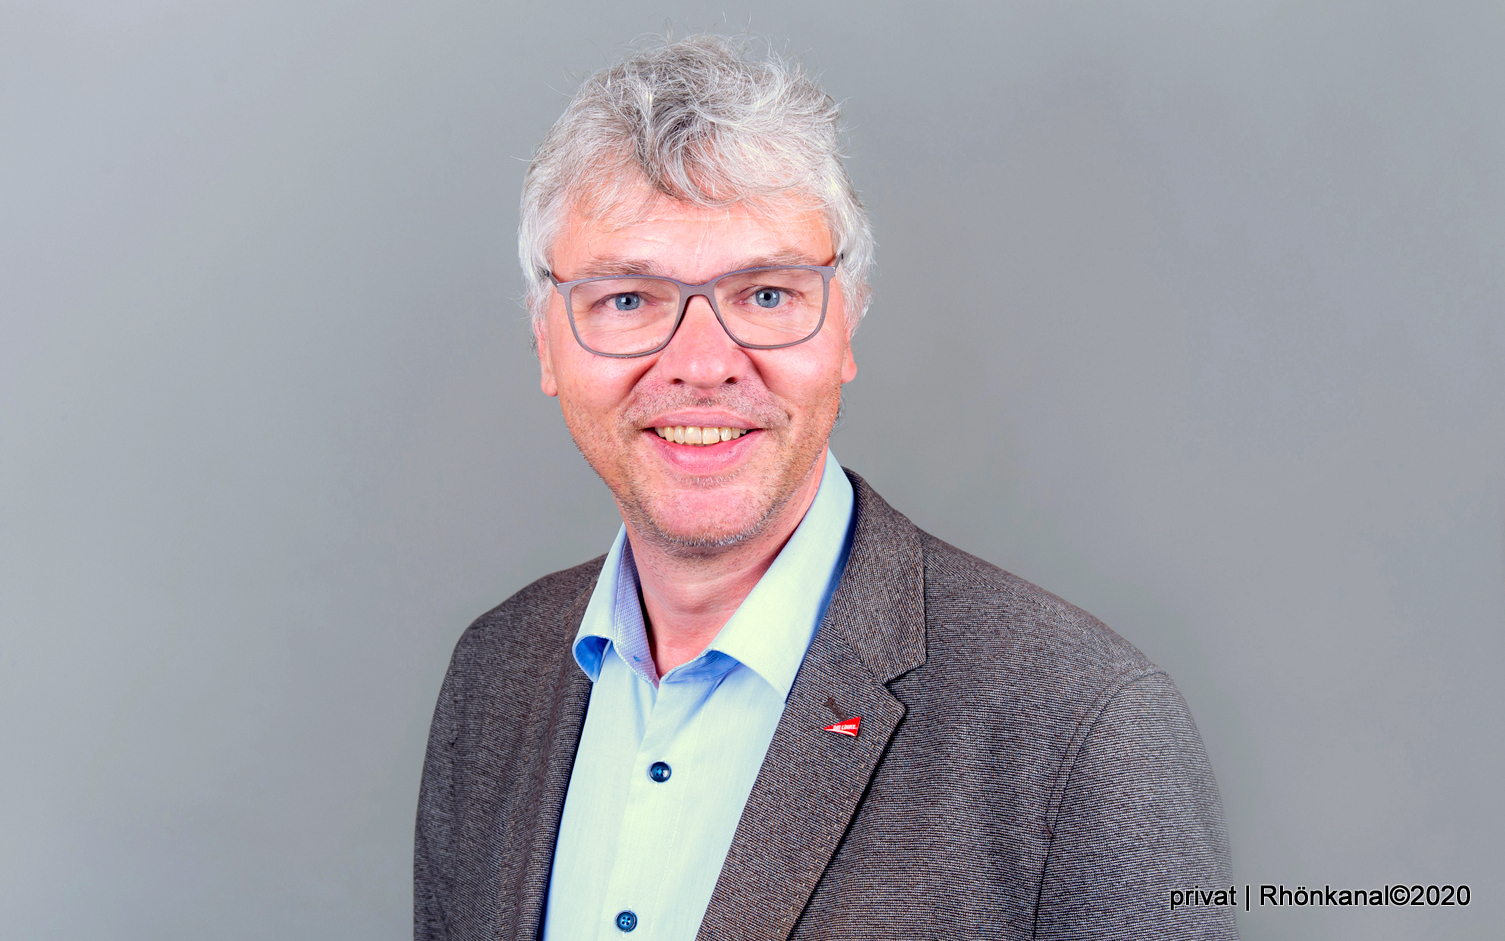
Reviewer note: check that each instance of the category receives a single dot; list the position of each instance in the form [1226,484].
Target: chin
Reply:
[705,543]
[675,528]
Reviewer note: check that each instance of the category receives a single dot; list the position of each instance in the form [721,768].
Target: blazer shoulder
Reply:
[528,627]
[988,613]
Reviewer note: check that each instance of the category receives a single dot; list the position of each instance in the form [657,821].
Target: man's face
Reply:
[785,401]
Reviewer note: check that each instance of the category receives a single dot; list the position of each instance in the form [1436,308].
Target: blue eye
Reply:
[627,301]
[768,297]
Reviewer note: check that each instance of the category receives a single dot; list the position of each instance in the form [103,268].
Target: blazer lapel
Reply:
[559,715]
[812,780]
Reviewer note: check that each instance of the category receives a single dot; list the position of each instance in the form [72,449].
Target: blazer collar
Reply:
[879,604]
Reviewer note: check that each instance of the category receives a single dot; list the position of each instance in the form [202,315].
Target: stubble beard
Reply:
[644,509]
[694,545]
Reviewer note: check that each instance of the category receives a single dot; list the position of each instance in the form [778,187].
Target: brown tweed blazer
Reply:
[1021,771]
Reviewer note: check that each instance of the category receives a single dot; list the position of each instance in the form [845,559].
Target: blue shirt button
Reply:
[659,772]
[626,921]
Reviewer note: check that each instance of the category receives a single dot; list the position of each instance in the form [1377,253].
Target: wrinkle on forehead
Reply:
[601,264]
[620,197]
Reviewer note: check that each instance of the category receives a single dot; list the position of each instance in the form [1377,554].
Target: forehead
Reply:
[656,234]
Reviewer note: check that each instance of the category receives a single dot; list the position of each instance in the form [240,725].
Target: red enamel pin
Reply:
[847,725]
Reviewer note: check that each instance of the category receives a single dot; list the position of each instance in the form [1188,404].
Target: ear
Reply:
[545,359]
[848,364]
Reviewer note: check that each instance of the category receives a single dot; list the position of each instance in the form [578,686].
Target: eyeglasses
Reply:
[759,308]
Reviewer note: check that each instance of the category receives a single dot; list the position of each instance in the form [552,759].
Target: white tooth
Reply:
[725,433]
[679,434]
[692,435]
[738,432]
[662,433]
[709,436]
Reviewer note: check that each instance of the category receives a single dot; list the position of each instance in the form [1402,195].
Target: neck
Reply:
[687,599]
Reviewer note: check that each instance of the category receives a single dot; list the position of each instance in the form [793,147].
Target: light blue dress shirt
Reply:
[665,765]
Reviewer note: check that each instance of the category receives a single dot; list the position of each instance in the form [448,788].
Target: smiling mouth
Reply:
[697,435]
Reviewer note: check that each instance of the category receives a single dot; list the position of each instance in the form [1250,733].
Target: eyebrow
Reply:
[599,266]
[606,266]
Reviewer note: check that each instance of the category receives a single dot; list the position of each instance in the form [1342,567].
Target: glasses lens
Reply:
[624,315]
[771,306]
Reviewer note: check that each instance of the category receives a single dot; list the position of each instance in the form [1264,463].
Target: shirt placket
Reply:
[654,812]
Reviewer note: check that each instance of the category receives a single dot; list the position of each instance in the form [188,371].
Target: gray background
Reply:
[1193,313]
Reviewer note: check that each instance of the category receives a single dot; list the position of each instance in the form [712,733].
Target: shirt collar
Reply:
[614,616]
[772,628]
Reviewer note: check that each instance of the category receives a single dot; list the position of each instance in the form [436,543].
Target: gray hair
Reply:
[700,121]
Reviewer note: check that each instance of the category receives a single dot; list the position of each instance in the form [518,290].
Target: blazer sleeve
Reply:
[433,835]
[1138,817]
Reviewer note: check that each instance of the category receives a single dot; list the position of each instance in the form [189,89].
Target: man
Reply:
[775,708]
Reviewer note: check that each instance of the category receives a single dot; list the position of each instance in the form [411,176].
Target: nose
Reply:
[701,354]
